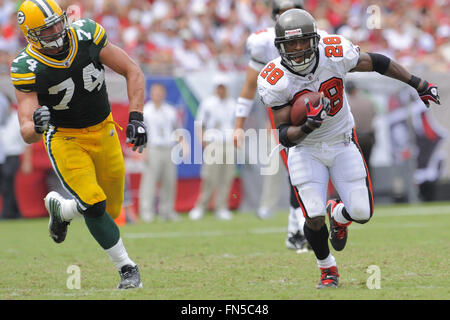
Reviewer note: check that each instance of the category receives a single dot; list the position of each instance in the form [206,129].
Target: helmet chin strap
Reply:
[305,67]
[55,44]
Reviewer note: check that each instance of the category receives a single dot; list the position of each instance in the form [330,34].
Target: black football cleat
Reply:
[57,226]
[297,241]
[329,278]
[130,277]
[338,231]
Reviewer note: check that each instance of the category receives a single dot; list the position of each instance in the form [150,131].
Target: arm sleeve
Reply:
[22,78]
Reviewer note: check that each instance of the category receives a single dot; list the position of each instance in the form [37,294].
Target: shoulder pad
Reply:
[89,30]
[340,50]
[259,44]
[22,72]
[273,84]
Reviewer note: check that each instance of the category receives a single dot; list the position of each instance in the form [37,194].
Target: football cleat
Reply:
[338,231]
[297,241]
[329,278]
[196,214]
[224,214]
[264,213]
[57,226]
[130,277]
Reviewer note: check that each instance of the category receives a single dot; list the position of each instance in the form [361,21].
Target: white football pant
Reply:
[311,167]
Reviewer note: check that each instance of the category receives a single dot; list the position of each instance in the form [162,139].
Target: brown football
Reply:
[298,110]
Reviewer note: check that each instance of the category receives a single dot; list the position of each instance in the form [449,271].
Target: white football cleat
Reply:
[57,226]
[196,214]
[224,214]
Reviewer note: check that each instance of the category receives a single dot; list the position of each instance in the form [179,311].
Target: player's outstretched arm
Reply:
[119,61]
[27,105]
[244,104]
[385,66]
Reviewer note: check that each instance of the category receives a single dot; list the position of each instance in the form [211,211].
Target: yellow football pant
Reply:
[89,162]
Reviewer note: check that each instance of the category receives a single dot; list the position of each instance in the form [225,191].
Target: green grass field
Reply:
[240,259]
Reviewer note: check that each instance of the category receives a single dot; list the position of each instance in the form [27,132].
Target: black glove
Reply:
[136,131]
[41,117]
[315,116]
[429,92]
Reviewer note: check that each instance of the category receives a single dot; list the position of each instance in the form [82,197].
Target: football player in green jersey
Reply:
[59,81]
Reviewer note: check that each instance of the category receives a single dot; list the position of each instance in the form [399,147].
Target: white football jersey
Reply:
[278,86]
[261,47]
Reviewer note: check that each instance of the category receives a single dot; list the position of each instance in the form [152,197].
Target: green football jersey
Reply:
[73,88]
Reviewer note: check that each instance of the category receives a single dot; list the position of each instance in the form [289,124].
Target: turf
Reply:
[227,260]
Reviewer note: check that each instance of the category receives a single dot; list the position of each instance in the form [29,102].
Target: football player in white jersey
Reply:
[261,48]
[325,146]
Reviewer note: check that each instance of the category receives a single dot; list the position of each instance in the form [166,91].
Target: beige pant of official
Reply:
[158,168]
[272,183]
[216,178]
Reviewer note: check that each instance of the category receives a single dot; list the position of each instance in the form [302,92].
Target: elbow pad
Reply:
[283,136]
[380,63]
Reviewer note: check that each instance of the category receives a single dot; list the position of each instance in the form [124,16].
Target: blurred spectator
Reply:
[13,147]
[363,110]
[162,120]
[214,125]
[4,110]
[413,31]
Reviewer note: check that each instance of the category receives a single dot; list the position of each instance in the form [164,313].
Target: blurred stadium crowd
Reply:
[172,36]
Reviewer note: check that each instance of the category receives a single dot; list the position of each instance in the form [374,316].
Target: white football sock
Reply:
[337,214]
[119,256]
[69,210]
[329,261]
[300,219]
[293,221]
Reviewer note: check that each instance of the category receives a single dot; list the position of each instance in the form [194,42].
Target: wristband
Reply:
[306,129]
[414,82]
[243,107]
[135,115]
[283,136]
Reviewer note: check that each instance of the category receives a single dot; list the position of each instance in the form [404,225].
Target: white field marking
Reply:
[412,211]
[383,212]
[216,233]
[390,225]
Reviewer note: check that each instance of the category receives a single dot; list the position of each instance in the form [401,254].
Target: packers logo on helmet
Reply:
[20,17]
[36,16]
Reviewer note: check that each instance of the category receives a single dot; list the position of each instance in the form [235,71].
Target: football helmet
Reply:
[36,16]
[293,26]
[281,5]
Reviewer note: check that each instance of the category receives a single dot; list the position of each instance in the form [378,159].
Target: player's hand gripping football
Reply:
[41,117]
[316,115]
[136,131]
[429,92]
